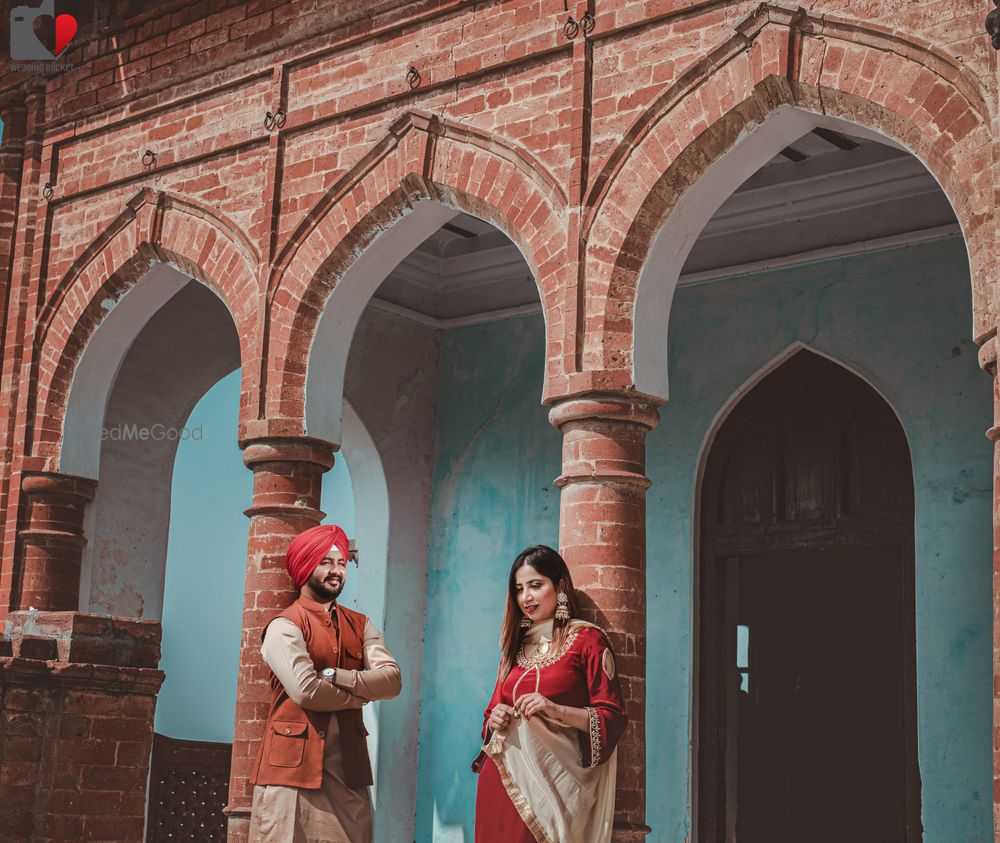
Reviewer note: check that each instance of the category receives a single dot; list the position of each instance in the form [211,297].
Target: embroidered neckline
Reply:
[549,659]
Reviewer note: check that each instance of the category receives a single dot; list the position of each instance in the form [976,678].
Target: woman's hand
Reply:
[500,717]
[532,704]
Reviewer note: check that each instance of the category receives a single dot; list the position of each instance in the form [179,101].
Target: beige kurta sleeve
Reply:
[381,679]
[285,652]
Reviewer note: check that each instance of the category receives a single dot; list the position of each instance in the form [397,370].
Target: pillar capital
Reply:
[57,483]
[603,439]
[287,475]
[616,407]
[288,449]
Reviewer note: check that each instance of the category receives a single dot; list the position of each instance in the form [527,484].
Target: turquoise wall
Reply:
[900,319]
[496,457]
[206,566]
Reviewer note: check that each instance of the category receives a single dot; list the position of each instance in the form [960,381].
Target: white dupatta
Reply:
[559,799]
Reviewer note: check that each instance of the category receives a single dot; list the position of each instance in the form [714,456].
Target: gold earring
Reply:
[562,607]
[525,623]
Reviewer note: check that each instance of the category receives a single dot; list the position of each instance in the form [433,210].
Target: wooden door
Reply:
[806,714]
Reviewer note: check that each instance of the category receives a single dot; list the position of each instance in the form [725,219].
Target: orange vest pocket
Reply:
[288,743]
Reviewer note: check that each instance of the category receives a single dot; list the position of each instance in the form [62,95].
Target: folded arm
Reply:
[380,679]
[285,652]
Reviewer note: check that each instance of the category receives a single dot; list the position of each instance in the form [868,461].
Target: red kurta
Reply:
[581,675]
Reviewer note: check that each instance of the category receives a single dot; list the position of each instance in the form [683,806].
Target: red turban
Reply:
[308,549]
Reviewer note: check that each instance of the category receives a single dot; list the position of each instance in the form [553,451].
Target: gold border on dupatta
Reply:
[514,792]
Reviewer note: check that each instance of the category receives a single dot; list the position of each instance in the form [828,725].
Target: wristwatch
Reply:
[329,674]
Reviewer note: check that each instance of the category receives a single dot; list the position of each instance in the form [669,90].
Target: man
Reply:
[312,772]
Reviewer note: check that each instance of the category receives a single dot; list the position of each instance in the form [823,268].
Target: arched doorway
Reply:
[806,645]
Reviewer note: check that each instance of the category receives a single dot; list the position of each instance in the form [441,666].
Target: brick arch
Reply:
[156,229]
[781,75]
[423,172]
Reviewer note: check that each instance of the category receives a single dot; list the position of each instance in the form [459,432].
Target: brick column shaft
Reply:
[602,536]
[21,300]
[988,361]
[52,540]
[287,482]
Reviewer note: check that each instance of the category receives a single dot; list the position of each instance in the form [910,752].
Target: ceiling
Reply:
[826,194]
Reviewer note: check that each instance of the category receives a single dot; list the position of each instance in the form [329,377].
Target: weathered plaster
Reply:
[391,379]
[496,457]
[184,348]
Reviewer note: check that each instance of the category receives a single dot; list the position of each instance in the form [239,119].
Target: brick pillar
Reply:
[602,536]
[52,539]
[988,360]
[287,479]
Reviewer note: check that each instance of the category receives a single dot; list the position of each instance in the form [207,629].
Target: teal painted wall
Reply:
[901,319]
[206,565]
[496,458]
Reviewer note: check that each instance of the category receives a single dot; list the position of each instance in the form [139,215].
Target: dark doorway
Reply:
[806,715]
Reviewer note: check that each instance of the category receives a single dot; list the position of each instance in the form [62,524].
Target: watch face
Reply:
[327,673]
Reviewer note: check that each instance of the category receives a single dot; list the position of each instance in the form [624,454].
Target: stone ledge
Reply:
[84,638]
[101,677]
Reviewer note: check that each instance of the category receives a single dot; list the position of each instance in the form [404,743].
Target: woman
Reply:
[547,769]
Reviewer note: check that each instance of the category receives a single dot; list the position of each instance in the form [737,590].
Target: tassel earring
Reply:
[562,607]
[525,623]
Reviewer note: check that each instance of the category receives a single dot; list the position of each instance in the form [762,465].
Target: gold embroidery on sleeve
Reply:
[608,663]
[595,737]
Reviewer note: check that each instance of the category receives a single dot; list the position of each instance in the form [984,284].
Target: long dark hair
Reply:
[551,565]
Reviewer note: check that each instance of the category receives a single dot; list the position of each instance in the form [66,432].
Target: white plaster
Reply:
[391,384]
[659,277]
[335,330]
[184,348]
[371,507]
[95,374]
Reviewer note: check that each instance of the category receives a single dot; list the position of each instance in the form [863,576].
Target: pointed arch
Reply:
[422,173]
[143,257]
[772,365]
[781,74]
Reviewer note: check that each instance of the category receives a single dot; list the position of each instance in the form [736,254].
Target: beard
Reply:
[329,589]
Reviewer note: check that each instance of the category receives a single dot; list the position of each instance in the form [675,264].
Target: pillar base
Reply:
[238,825]
[630,833]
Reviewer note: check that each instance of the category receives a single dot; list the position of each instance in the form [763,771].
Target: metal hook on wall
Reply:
[413,77]
[148,159]
[274,121]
